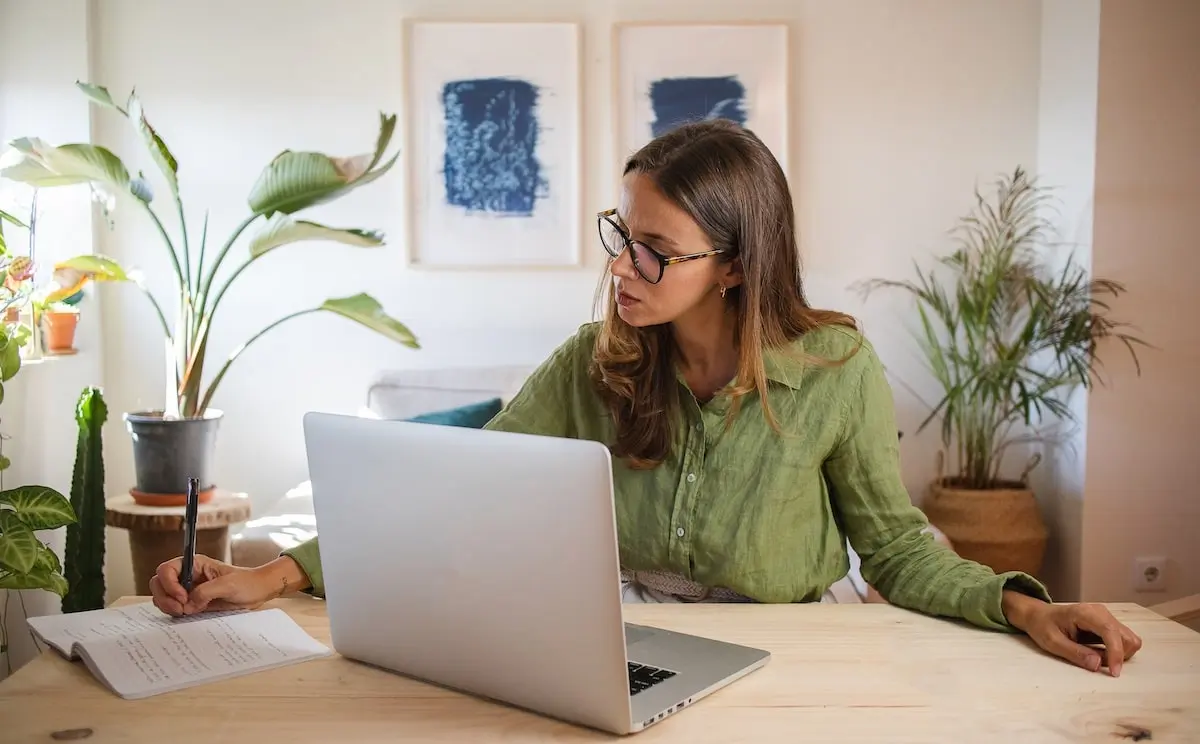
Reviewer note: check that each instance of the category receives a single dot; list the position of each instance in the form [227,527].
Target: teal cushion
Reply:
[472,415]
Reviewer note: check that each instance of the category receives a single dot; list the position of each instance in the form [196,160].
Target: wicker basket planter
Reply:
[1001,528]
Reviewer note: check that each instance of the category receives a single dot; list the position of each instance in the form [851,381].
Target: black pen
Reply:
[191,511]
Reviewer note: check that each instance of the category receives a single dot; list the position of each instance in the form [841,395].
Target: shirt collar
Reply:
[785,366]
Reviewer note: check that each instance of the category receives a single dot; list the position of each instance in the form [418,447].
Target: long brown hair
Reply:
[728,181]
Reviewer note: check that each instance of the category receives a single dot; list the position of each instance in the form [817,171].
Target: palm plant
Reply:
[291,182]
[1010,336]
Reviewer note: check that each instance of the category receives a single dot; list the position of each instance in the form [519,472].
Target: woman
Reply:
[751,433]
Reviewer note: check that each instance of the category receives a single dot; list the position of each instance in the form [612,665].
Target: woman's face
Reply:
[653,220]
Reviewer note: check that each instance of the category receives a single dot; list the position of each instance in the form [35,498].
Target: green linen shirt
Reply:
[762,512]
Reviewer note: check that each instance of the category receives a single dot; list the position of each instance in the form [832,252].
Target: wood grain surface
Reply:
[840,673]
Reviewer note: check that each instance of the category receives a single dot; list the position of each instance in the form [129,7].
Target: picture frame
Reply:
[665,72]
[493,144]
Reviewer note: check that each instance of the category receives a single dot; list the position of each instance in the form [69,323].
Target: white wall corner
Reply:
[1066,158]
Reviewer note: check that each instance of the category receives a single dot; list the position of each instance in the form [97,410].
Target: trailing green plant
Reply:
[291,182]
[1008,336]
[84,555]
[25,561]
[16,272]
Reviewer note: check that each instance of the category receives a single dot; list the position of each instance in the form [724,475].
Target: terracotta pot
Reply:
[60,330]
[12,315]
[1001,528]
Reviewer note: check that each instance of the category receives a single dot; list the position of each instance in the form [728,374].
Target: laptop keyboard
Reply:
[643,677]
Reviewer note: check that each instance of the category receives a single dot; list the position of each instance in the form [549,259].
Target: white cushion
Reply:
[287,524]
[401,394]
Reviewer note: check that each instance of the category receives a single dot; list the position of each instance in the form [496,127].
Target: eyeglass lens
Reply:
[644,260]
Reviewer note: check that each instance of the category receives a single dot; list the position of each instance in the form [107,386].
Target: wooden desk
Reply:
[840,673]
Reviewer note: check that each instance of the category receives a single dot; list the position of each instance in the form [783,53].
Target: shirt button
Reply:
[691,478]
[679,531]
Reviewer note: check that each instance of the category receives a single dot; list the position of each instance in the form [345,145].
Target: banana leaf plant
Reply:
[291,182]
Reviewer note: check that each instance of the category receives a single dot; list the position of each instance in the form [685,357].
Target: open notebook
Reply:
[138,651]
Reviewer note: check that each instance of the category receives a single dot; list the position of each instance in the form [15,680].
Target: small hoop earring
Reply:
[723,291]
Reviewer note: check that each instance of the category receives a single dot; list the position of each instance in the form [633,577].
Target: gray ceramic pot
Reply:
[166,452]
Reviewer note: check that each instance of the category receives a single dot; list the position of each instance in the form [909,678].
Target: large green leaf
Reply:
[10,358]
[6,217]
[297,180]
[283,229]
[47,559]
[38,578]
[16,166]
[99,268]
[76,160]
[98,94]
[39,164]
[361,308]
[158,149]
[365,309]
[39,507]
[18,544]
[74,273]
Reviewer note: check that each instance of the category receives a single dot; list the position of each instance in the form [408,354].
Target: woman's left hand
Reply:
[1059,628]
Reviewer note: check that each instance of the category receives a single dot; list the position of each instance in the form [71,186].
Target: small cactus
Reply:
[84,562]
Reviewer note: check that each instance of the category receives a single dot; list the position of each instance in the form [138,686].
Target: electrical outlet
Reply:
[1150,574]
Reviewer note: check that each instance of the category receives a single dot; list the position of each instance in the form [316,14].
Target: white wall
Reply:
[1142,468]
[898,112]
[896,117]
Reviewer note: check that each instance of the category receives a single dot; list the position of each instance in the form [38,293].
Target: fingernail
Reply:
[1093,663]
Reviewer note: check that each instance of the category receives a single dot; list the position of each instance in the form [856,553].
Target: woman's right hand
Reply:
[221,586]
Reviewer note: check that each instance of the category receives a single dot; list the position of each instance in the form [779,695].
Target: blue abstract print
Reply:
[677,101]
[490,164]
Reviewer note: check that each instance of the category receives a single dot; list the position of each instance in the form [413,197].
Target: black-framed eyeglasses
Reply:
[650,263]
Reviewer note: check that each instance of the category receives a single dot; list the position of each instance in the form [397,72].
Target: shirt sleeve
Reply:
[899,559]
[544,405]
[308,556]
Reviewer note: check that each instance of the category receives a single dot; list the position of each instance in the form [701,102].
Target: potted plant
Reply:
[178,441]
[1008,334]
[59,321]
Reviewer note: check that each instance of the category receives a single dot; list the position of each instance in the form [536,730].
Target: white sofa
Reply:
[406,393]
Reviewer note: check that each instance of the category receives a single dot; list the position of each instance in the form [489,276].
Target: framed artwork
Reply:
[669,73]
[493,146]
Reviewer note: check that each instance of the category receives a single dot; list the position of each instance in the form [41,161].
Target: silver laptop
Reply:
[486,562]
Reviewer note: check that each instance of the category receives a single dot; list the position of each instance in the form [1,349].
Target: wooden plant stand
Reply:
[156,532]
